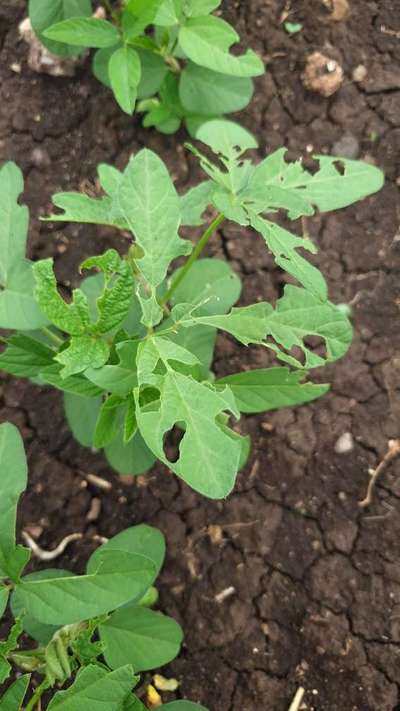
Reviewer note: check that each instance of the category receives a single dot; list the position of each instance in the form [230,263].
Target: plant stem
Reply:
[195,255]
[52,336]
[37,695]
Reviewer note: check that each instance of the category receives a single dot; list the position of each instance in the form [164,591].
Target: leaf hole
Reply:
[317,345]
[340,167]
[171,442]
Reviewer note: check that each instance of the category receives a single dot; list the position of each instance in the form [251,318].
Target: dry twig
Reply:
[49,555]
[295,705]
[391,454]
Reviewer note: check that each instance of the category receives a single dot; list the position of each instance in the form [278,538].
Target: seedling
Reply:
[133,348]
[95,630]
[169,59]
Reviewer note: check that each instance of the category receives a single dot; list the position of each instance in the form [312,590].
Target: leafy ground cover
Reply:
[298,497]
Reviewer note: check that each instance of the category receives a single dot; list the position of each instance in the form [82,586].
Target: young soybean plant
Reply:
[167,58]
[95,630]
[133,349]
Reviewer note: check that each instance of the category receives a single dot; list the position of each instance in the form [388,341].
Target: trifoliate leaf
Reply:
[72,318]
[82,414]
[25,357]
[298,315]
[203,91]
[248,324]
[18,307]
[195,202]
[124,71]
[82,208]
[284,246]
[119,379]
[142,540]
[45,13]
[138,14]
[119,578]
[114,302]
[97,689]
[208,457]
[207,40]
[197,8]
[83,352]
[150,205]
[266,389]
[226,137]
[83,32]
[338,182]
[141,637]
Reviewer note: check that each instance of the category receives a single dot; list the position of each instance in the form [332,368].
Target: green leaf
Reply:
[107,422]
[332,189]
[4,592]
[154,71]
[84,32]
[168,13]
[130,422]
[248,324]
[133,703]
[338,182]
[195,202]
[13,482]
[120,578]
[151,206]
[271,388]
[15,694]
[14,220]
[138,14]
[142,540]
[114,302]
[96,689]
[298,315]
[40,632]
[208,457]
[72,318]
[131,458]
[78,207]
[44,13]
[82,414]
[293,27]
[224,136]
[212,286]
[75,384]
[141,637]
[25,357]
[198,8]
[117,379]
[207,40]
[18,309]
[203,91]
[124,71]
[100,63]
[284,246]
[83,352]
[8,646]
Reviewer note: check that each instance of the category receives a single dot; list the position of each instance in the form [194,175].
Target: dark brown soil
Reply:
[315,597]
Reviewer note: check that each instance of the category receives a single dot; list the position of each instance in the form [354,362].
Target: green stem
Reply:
[195,255]
[52,336]
[37,695]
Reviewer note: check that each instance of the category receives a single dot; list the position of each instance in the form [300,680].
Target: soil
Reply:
[310,582]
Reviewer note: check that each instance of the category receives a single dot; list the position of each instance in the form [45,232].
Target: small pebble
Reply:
[345,443]
[40,158]
[359,73]
[346,147]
